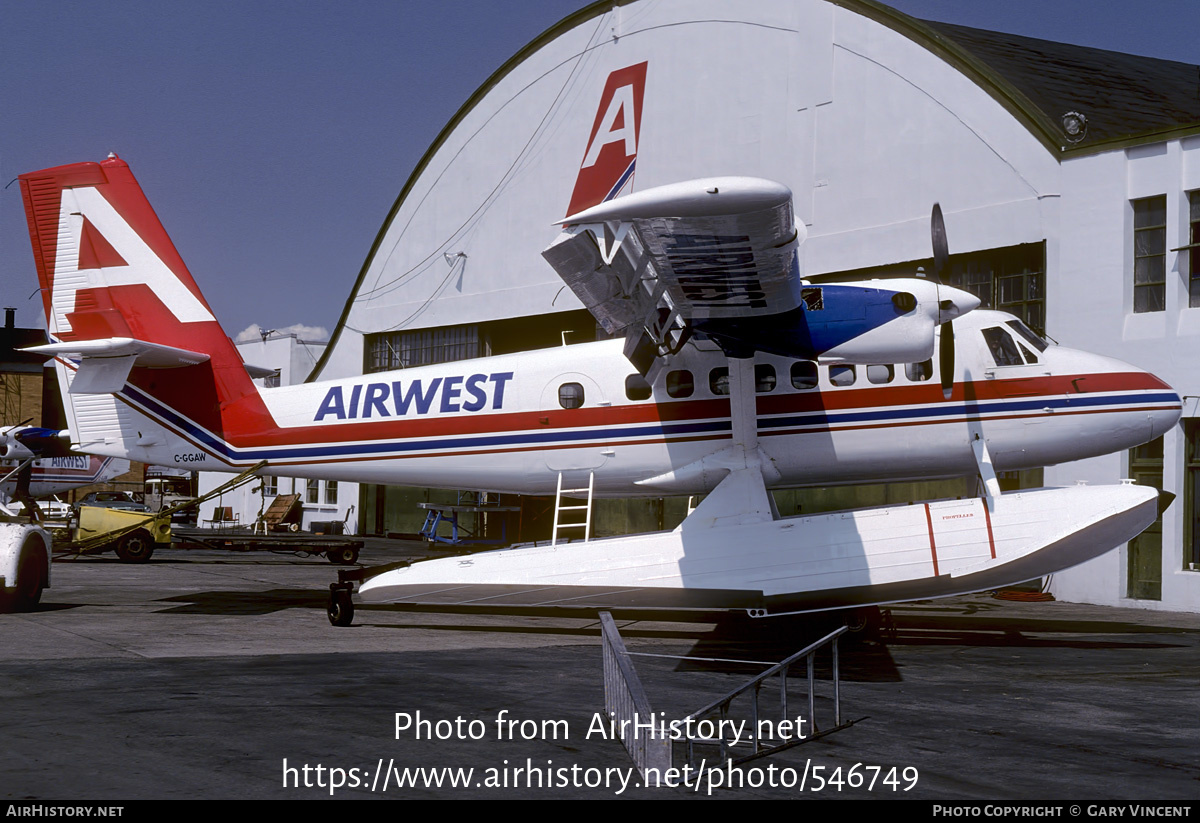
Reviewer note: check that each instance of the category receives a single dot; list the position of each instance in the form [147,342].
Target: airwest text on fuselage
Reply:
[398,397]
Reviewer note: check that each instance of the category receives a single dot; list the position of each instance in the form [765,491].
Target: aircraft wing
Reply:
[719,256]
[650,263]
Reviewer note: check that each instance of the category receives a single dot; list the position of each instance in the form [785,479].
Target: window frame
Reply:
[1152,284]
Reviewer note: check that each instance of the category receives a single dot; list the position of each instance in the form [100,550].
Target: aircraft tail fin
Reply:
[123,313]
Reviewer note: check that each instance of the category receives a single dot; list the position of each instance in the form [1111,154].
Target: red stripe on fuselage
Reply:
[260,432]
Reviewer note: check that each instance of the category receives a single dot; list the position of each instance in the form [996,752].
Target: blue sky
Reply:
[272,137]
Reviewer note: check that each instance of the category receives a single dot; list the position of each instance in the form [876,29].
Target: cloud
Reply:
[312,334]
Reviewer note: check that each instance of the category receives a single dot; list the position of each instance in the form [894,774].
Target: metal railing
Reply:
[627,705]
[629,708]
[795,734]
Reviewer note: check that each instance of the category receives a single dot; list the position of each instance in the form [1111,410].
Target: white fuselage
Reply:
[499,424]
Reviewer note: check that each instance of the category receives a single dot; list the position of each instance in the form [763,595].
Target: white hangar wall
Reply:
[1091,306]
[866,126]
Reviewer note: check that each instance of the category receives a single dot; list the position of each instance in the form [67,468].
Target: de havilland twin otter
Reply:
[735,376]
[731,374]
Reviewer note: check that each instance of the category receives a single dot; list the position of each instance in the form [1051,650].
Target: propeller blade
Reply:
[946,359]
[941,247]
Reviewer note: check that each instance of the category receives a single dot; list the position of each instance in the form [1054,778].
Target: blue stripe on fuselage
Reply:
[566,438]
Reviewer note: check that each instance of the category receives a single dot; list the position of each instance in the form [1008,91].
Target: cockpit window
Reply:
[1030,357]
[1001,345]
[1036,340]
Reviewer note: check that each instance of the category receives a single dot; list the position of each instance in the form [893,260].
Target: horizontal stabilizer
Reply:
[105,364]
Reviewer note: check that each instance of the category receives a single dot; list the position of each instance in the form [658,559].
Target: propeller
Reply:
[941,257]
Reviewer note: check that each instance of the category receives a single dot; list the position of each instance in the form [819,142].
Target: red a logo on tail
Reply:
[611,153]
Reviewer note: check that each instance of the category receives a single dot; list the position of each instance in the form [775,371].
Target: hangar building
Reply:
[1070,180]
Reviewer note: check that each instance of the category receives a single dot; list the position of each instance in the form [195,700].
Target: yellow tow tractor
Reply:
[133,535]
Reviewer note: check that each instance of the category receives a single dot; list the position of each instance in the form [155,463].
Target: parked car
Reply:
[54,509]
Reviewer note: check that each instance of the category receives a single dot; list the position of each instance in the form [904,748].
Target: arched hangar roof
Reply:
[1125,99]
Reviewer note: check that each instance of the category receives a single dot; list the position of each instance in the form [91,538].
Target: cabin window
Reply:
[881,374]
[919,372]
[680,383]
[764,378]
[804,374]
[841,375]
[636,387]
[1001,345]
[718,381]
[570,395]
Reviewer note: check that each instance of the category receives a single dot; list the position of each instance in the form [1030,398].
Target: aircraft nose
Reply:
[954,303]
[1166,413]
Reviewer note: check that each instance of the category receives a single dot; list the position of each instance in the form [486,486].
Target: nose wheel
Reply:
[341,606]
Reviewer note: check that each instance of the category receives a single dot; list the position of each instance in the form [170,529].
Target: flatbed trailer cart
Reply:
[134,535]
[337,549]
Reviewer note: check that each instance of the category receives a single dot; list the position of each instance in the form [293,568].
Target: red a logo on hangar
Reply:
[611,154]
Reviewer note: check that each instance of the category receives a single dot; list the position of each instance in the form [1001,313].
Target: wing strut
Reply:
[742,497]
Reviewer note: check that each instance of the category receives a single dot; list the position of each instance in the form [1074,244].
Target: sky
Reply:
[273,137]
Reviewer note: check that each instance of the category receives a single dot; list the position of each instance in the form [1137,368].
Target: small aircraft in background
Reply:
[735,375]
[41,459]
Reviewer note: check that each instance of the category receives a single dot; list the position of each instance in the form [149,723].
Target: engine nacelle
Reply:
[25,442]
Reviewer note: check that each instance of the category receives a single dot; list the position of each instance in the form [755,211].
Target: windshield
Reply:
[1029,334]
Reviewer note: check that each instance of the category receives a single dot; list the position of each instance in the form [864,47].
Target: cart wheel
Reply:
[341,606]
[293,527]
[136,547]
[342,557]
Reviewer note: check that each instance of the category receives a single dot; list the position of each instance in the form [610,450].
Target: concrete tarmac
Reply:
[206,674]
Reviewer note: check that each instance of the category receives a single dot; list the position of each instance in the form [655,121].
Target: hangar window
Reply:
[881,374]
[804,374]
[1011,279]
[841,375]
[718,381]
[1150,254]
[764,378]
[391,350]
[312,493]
[1191,491]
[570,395]
[1193,249]
[331,492]
[680,383]
[636,387]
[919,372]
[1144,555]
